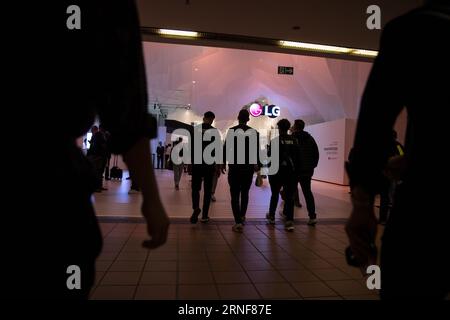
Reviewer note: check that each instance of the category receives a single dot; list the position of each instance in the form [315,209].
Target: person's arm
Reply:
[223,167]
[258,165]
[123,107]
[139,163]
[316,152]
[381,103]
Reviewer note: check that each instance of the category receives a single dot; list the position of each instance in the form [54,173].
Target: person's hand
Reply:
[361,228]
[139,163]
[157,224]
[395,168]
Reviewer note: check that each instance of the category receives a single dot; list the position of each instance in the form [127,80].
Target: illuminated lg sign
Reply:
[256,110]
[272,111]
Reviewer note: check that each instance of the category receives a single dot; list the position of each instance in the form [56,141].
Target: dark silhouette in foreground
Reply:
[410,71]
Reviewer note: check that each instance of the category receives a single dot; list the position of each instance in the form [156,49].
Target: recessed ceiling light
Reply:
[287,44]
[365,53]
[179,33]
[328,49]
[314,47]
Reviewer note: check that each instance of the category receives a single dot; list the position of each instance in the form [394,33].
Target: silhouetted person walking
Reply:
[202,171]
[160,156]
[309,158]
[107,159]
[410,71]
[98,154]
[177,168]
[244,162]
[286,177]
[95,71]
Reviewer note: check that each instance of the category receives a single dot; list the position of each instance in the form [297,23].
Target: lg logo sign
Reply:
[272,111]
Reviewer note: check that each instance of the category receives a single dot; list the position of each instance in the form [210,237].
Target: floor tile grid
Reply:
[281,229]
[250,240]
[337,233]
[338,266]
[98,281]
[103,228]
[262,255]
[210,267]
[241,264]
[209,259]
[173,235]
[225,239]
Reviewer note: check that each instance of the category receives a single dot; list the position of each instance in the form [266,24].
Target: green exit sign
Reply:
[285,70]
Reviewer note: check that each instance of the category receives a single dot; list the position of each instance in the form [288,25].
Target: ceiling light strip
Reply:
[283,43]
[365,53]
[314,47]
[178,33]
[327,49]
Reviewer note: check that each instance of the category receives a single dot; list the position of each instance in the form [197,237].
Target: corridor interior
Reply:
[210,261]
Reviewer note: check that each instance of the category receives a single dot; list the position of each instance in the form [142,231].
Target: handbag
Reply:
[258,180]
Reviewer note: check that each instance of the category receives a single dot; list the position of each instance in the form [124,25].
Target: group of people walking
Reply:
[298,156]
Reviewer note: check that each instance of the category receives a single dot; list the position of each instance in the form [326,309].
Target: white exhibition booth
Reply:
[334,139]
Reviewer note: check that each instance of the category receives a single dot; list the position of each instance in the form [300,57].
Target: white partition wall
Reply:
[334,139]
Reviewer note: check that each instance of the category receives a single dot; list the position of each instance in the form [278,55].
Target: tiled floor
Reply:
[212,262]
[332,201]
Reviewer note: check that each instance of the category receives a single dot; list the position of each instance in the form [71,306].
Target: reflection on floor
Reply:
[332,201]
[209,261]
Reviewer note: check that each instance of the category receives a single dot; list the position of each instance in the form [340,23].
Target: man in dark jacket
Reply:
[160,156]
[309,158]
[285,178]
[201,170]
[240,171]
[407,73]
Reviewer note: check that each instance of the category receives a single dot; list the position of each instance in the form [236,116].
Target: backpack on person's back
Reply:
[309,152]
[289,154]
